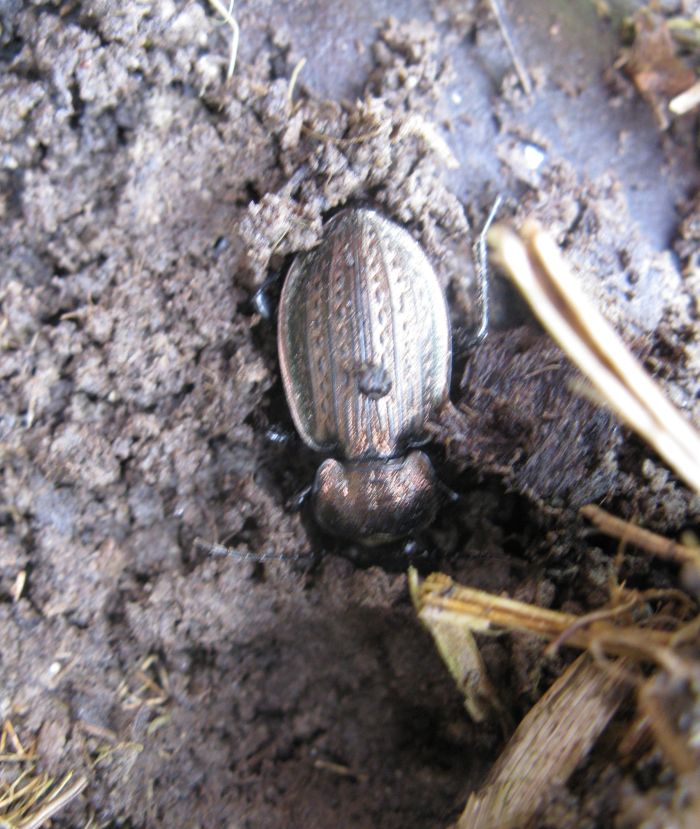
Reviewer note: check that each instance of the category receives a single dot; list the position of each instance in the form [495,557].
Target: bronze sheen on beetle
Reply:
[365,354]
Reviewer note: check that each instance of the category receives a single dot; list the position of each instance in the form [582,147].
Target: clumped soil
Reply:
[144,201]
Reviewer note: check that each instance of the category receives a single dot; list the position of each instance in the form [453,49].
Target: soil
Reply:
[144,201]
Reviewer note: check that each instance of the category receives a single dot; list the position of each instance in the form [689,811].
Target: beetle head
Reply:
[375,501]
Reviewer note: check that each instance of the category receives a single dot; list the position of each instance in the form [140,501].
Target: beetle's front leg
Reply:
[265,300]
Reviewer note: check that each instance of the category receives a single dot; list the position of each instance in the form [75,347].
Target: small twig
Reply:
[588,619]
[646,540]
[520,69]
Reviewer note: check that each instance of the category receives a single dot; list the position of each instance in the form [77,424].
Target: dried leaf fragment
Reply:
[653,65]
[548,745]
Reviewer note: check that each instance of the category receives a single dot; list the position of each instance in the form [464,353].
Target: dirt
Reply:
[144,200]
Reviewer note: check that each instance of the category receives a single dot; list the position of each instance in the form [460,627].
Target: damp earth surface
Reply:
[145,200]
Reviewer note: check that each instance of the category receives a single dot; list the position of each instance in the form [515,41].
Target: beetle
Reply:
[365,354]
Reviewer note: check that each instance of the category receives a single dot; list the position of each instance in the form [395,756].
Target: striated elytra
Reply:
[365,354]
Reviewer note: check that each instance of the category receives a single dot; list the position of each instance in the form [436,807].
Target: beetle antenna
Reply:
[243,555]
[481,263]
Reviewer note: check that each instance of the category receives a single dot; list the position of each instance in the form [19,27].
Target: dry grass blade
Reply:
[147,685]
[538,269]
[438,597]
[230,20]
[28,798]
[507,39]
[550,742]
[53,798]
[293,81]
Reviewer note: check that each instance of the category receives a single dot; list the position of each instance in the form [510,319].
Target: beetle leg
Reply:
[481,263]
[264,300]
[296,502]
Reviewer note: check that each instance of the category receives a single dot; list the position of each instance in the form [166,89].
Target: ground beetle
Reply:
[365,353]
